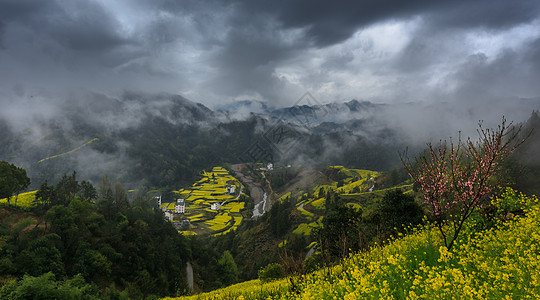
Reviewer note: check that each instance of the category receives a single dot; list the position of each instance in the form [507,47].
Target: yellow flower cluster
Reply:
[513,201]
[499,263]
[249,290]
[24,200]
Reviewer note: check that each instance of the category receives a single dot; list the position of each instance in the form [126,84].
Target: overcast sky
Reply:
[220,51]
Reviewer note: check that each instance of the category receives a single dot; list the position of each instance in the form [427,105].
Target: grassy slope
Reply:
[501,263]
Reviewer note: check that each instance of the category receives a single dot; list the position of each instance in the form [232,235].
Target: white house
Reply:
[270,167]
[158,198]
[169,215]
[215,206]
[180,206]
[230,189]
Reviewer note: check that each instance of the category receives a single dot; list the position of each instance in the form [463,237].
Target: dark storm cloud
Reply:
[328,23]
[490,14]
[248,56]
[459,61]
[532,55]
[14,9]
[255,45]
[217,49]
[511,73]
[82,26]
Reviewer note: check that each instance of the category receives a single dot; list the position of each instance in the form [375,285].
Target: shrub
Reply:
[271,272]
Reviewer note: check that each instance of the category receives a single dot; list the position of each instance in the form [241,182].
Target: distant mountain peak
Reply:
[336,112]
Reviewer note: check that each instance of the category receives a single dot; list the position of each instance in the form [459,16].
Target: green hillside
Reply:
[304,200]
[497,263]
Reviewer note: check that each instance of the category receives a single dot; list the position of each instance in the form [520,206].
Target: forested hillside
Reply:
[166,140]
[94,243]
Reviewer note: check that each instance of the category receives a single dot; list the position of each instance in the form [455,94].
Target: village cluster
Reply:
[211,205]
[180,205]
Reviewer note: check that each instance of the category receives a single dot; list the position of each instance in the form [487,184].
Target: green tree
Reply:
[279,218]
[87,191]
[135,250]
[271,272]
[46,287]
[227,269]
[66,189]
[120,197]
[340,232]
[397,209]
[106,187]
[13,180]
[45,197]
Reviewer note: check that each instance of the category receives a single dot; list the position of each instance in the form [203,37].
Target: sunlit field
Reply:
[210,190]
[23,200]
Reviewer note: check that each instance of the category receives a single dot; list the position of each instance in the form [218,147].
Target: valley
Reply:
[212,205]
[247,150]
[182,189]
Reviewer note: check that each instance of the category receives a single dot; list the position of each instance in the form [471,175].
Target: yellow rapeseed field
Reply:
[24,200]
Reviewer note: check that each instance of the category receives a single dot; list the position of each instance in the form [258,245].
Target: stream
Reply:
[257,209]
[256,192]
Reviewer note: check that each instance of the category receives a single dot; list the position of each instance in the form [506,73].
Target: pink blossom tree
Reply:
[455,179]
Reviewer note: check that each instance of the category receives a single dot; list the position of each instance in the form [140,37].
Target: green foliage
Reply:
[227,269]
[281,176]
[66,189]
[279,217]
[87,192]
[130,246]
[63,193]
[47,287]
[312,263]
[13,180]
[397,209]
[45,197]
[394,177]
[271,272]
[340,232]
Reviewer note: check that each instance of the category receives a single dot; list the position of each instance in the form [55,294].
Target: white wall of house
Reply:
[169,215]
[179,208]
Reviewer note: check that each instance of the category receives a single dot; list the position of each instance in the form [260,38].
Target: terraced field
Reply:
[355,186]
[211,190]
